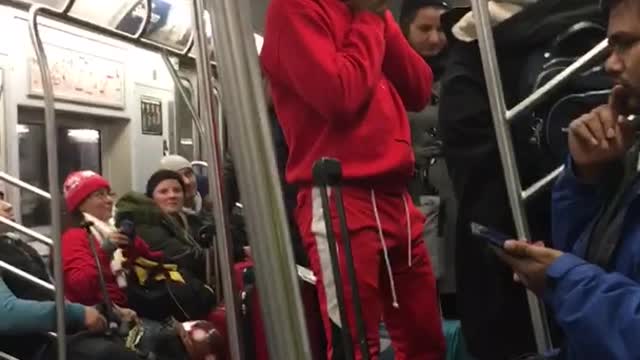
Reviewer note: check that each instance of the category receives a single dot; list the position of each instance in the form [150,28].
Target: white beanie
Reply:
[174,163]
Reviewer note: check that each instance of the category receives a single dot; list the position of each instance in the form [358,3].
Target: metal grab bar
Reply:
[183,94]
[507,155]
[75,21]
[542,183]
[26,276]
[222,131]
[253,153]
[540,94]
[23,185]
[51,131]
[26,231]
[211,262]
[214,157]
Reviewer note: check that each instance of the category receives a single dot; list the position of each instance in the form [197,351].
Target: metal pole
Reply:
[222,131]
[542,183]
[212,269]
[26,231]
[23,185]
[540,94]
[26,276]
[252,150]
[51,131]
[183,94]
[214,159]
[505,145]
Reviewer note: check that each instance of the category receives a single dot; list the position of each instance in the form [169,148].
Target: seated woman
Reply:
[161,222]
[89,201]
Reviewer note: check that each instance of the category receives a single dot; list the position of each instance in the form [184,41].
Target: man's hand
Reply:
[600,137]
[377,6]
[126,315]
[94,321]
[529,262]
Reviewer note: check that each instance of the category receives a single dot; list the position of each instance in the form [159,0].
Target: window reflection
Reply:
[170,22]
[78,149]
[112,13]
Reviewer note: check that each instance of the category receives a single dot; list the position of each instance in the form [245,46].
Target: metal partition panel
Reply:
[505,144]
[252,150]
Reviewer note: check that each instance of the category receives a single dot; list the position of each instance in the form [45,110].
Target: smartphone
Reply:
[492,236]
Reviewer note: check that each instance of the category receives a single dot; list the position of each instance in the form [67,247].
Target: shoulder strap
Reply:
[606,234]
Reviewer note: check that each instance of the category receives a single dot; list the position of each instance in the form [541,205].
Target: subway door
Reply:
[153,121]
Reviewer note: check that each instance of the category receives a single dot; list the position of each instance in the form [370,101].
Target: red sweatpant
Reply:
[414,325]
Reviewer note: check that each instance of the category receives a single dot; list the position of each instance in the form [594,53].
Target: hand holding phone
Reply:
[495,238]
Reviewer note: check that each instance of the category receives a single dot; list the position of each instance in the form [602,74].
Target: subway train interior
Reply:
[154,179]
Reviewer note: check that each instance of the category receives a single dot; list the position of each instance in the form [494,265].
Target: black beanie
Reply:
[160,176]
[411,6]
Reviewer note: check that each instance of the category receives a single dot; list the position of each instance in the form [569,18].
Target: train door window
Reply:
[78,149]
[187,136]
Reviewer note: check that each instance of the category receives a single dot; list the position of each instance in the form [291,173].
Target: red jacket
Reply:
[81,283]
[341,85]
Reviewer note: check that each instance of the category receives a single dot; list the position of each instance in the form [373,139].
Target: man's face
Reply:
[425,32]
[624,40]
[190,185]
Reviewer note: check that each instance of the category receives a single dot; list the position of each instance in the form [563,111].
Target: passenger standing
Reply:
[431,187]
[342,76]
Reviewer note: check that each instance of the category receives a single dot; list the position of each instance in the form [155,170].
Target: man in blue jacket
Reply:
[591,282]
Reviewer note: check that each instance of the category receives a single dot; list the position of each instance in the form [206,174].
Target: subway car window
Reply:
[78,149]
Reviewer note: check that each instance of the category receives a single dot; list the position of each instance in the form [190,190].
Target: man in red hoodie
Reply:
[342,77]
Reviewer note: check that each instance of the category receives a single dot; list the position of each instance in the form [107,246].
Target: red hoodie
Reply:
[341,84]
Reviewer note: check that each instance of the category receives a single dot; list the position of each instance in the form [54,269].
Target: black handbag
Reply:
[159,299]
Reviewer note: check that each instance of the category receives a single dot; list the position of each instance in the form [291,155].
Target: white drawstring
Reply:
[406,212]
[384,250]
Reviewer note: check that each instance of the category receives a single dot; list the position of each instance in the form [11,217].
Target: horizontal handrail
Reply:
[23,185]
[26,276]
[26,231]
[540,94]
[542,183]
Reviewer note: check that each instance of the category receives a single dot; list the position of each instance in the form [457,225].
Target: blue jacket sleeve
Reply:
[598,311]
[574,205]
[21,316]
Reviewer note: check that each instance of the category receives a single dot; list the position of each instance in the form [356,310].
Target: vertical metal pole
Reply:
[214,159]
[51,131]
[505,145]
[212,269]
[251,146]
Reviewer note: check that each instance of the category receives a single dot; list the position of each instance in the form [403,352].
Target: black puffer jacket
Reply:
[165,233]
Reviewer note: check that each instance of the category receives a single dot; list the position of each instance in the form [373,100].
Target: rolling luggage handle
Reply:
[327,174]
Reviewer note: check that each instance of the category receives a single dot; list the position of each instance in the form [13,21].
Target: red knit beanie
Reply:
[79,185]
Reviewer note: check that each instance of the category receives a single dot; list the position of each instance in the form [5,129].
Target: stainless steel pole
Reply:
[51,131]
[21,184]
[542,183]
[251,146]
[211,263]
[25,275]
[541,94]
[505,145]
[26,231]
[214,159]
